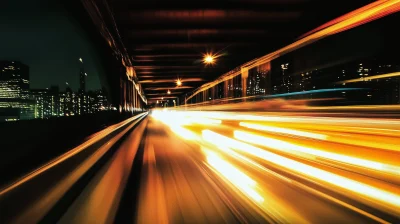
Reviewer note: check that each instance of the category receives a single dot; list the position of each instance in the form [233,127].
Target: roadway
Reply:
[221,167]
[241,167]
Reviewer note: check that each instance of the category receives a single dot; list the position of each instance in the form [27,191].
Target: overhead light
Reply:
[178,82]
[169,92]
[209,59]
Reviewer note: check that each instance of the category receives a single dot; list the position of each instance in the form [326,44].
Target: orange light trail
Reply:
[387,199]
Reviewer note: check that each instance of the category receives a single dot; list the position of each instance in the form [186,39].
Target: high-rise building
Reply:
[14,80]
[61,110]
[47,102]
[40,96]
[15,99]
[82,101]
[82,79]
[286,79]
[69,102]
[55,100]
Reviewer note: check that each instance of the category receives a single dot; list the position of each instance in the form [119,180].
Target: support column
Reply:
[245,75]
[134,99]
[230,88]
[226,89]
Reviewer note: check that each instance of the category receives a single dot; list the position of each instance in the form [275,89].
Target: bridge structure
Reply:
[229,111]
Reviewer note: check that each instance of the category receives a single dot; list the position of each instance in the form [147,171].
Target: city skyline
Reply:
[19,101]
[56,43]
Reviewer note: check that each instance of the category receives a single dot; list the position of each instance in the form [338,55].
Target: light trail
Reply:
[95,138]
[369,78]
[367,175]
[294,149]
[234,175]
[391,201]
[283,130]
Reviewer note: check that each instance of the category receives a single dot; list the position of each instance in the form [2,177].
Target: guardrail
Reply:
[46,194]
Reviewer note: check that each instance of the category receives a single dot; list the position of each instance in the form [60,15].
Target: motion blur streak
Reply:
[394,74]
[288,147]
[388,199]
[183,132]
[235,176]
[95,138]
[283,130]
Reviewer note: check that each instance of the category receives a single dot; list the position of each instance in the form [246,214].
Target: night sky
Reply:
[40,34]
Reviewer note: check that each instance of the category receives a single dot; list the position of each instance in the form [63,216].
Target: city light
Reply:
[209,59]
[80,59]
[178,82]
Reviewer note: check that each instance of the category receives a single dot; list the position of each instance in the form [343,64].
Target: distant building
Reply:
[14,80]
[15,99]
[40,96]
[97,101]
[47,102]
[82,106]
[69,101]
[61,110]
[19,102]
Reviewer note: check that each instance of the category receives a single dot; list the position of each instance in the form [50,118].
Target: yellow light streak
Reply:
[183,132]
[234,175]
[290,148]
[283,130]
[388,199]
[199,120]
[369,78]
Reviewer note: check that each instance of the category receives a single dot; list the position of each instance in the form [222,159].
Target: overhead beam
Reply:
[167,88]
[164,56]
[193,45]
[150,67]
[275,5]
[171,80]
[155,72]
[162,94]
[204,16]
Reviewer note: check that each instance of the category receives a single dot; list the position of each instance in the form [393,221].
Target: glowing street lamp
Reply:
[169,92]
[209,59]
[178,82]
